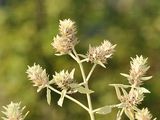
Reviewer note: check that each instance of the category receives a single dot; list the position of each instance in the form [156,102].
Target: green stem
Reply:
[69,97]
[91,113]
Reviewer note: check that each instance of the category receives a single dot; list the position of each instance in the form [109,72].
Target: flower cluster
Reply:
[63,79]
[143,114]
[100,54]
[13,111]
[38,76]
[65,41]
[138,69]
[132,99]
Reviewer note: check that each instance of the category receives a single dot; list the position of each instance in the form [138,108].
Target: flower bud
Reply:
[38,76]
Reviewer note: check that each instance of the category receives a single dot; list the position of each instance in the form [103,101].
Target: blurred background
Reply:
[27,28]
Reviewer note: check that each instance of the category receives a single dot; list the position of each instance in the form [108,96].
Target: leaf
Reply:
[124,92]
[118,92]
[125,75]
[80,88]
[120,85]
[84,90]
[72,73]
[101,64]
[143,90]
[61,99]
[146,78]
[129,113]
[48,96]
[52,81]
[104,110]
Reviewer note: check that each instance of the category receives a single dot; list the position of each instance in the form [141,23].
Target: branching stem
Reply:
[69,97]
[85,80]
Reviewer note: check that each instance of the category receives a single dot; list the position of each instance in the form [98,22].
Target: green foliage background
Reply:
[27,28]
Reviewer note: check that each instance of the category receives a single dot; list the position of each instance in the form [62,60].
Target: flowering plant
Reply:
[130,96]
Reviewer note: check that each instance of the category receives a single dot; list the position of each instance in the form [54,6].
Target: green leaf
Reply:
[120,85]
[80,88]
[104,110]
[61,99]
[48,96]
[84,90]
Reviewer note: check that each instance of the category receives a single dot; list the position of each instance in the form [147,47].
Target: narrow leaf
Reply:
[48,96]
[101,64]
[61,99]
[125,75]
[52,81]
[104,110]
[124,92]
[120,85]
[146,78]
[143,90]
[129,113]
[118,92]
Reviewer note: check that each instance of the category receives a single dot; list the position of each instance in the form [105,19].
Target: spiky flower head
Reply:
[63,79]
[67,28]
[132,99]
[138,69]
[66,40]
[13,111]
[143,114]
[38,76]
[100,54]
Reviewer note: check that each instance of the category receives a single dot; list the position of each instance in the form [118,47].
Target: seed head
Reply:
[63,79]
[13,111]
[143,114]
[38,76]
[100,54]
[66,40]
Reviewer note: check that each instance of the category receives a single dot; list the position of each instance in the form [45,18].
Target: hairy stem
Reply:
[91,113]
[120,114]
[69,97]
[90,73]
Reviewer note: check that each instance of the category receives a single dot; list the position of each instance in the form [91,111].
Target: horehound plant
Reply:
[130,96]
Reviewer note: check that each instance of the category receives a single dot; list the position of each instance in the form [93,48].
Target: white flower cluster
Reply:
[63,79]
[65,41]
[144,114]
[38,76]
[138,69]
[13,111]
[100,54]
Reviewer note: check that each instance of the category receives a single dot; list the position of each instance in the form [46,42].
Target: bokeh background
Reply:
[27,28]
